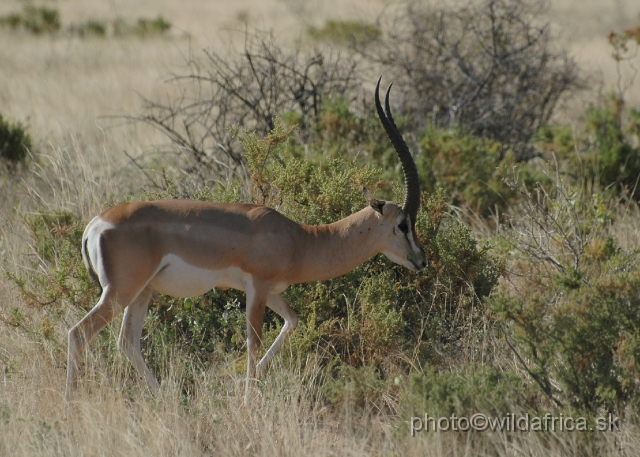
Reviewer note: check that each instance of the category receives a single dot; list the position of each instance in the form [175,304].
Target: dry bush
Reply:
[626,48]
[244,90]
[571,306]
[488,67]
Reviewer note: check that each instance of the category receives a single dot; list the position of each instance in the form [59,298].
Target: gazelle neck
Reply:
[334,249]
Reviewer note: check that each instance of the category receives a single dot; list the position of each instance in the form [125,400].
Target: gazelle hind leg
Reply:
[256,303]
[130,334]
[84,331]
[280,306]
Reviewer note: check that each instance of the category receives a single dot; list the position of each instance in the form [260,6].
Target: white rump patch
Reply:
[92,234]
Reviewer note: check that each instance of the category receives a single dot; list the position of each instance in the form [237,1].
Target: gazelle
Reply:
[184,248]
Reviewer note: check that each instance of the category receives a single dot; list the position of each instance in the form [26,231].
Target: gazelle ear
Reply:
[374,201]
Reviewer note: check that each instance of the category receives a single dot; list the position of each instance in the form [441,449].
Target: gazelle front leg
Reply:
[256,303]
[280,306]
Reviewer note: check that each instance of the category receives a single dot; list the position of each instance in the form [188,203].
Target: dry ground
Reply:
[61,87]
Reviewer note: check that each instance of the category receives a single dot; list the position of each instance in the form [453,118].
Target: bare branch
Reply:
[245,90]
[488,67]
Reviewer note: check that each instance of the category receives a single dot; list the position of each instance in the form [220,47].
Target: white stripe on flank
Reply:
[177,278]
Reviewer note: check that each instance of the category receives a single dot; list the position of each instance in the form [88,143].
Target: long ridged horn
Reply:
[411,178]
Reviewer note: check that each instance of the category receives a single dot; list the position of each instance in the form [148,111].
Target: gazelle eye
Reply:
[404,228]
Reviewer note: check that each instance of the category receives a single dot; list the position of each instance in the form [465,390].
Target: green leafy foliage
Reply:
[311,190]
[467,168]
[14,142]
[13,20]
[62,276]
[36,20]
[92,27]
[574,311]
[207,327]
[379,308]
[471,170]
[143,27]
[488,389]
[157,26]
[345,32]
[613,161]
[585,336]
[40,20]
[604,152]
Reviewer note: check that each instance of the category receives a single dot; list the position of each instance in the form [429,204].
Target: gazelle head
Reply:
[400,243]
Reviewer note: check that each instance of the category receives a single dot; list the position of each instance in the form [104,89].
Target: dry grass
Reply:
[115,415]
[287,420]
[60,87]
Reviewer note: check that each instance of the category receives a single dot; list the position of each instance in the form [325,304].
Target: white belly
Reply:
[179,279]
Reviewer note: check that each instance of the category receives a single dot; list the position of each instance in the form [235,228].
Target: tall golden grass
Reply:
[115,415]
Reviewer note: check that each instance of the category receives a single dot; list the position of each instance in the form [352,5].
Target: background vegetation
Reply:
[529,219]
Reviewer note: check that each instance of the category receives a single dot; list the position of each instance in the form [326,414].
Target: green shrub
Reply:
[143,27]
[364,316]
[357,388]
[573,310]
[58,275]
[612,160]
[603,152]
[209,327]
[13,20]
[40,20]
[14,142]
[90,27]
[338,128]
[586,337]
[37,20]
[556,140]
[345,32]
[466,167]
[379,307]
[484,389]
[470,170]
[342,131]
[147,27]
